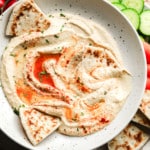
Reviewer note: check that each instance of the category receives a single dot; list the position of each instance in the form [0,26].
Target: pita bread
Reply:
[141,119]
[131,138]
[26,18]
[145,104]
[37,125]
[71,128]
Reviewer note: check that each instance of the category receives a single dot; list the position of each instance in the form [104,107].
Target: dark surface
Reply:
[7,144]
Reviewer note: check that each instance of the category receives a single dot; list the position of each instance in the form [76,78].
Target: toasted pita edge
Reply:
[141,119]
[13,30]
[145,104]
[37,125]
[130,138]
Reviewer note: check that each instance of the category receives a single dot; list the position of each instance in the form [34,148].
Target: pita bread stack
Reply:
[26,18]
[145,104]
[131,138]
[141,119]
[37,125]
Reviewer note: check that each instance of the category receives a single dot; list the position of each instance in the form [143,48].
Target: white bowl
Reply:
[133,56]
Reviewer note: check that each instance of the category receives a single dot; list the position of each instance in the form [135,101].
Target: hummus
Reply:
[72,71]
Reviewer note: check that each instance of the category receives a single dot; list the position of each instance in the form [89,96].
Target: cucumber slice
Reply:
[138,5]
[133,17]
[145,22]
[119,6]
[142,38]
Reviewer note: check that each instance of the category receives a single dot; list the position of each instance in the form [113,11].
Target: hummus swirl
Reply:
[73,71]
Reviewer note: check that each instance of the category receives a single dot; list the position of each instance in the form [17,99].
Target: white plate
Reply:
[146,146]
[131,50]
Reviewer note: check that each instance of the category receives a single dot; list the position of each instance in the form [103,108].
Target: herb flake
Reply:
[62,15]
[105,92]
[82,114]
[47,41]
[56,36]
[24,55]
[6,48]
[16,111]
[61,29]
[43,73]
[13,55]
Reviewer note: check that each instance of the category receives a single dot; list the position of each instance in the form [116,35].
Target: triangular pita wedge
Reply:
[141,119]
[145,104]
[131,138]
[26,17]
[37,125]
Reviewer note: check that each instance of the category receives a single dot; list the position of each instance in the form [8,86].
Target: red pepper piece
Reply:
[11,2]
[148,84]
[2,2]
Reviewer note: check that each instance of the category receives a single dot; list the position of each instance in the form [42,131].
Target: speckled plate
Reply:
[131,50]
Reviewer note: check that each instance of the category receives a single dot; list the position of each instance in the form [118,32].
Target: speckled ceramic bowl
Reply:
[132,53]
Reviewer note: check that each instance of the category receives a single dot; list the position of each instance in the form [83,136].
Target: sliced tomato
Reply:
[11,2]
[147,51]
[2,2]
[148,84]
[148,70]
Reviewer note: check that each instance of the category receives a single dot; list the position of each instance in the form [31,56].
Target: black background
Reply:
[7,144]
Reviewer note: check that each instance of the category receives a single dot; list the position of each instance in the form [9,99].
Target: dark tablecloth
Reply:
[7,144]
